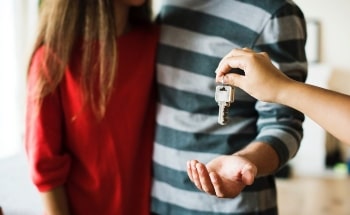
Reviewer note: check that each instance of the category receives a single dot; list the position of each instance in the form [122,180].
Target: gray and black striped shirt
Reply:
[195,35]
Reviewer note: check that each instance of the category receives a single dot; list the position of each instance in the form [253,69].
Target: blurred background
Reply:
[18,25]
[316,181]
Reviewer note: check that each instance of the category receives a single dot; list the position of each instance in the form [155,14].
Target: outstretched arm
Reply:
[264,81]
[226,176]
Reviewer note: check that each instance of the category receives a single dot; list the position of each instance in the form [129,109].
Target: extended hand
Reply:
[224,176]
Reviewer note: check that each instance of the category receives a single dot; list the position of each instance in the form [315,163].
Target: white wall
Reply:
[17,21]
[332,72]
[334,19]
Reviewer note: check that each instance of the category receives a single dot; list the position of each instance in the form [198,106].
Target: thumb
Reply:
[248,174]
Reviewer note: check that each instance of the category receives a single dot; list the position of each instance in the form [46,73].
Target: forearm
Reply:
[262,155]
[55,201]
[329,109]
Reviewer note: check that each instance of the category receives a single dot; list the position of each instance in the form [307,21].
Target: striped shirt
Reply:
[195,35]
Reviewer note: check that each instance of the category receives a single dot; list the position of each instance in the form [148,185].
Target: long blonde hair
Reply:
[62,24]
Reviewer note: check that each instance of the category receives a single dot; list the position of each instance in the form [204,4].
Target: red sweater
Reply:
[105,166]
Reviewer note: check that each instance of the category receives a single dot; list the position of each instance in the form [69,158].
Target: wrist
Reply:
[283,91]
[262,156]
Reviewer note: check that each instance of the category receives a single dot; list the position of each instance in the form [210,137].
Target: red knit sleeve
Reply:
[49,163]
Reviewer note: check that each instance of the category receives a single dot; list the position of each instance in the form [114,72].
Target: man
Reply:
[195,35]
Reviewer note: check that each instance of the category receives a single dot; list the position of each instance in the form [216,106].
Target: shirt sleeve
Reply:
[48,162]
[283,38]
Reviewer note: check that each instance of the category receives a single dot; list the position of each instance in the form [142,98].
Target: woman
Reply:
[90,106]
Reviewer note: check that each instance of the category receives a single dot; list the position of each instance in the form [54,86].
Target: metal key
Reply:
[224,96]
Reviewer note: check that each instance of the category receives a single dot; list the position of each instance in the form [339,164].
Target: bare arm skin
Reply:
[55,202]
[329,109]
[226,176]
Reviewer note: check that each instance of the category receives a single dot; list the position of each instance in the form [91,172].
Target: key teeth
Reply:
[224,119]
[223,122]
[224,96]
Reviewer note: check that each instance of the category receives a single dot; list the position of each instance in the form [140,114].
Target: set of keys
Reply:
[224,96]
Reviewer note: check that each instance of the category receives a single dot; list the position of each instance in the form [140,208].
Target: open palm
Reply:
[225,176]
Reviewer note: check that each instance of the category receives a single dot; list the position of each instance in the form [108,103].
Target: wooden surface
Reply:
[314,196]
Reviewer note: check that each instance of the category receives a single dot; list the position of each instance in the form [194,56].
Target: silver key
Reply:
[224,96]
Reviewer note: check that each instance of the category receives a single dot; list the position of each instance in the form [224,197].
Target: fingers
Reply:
[189,171]
[204,179]
[232,79]
[193,173]
[237,58]
[234,59]
[217,184]
[226,64]
[199,175]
